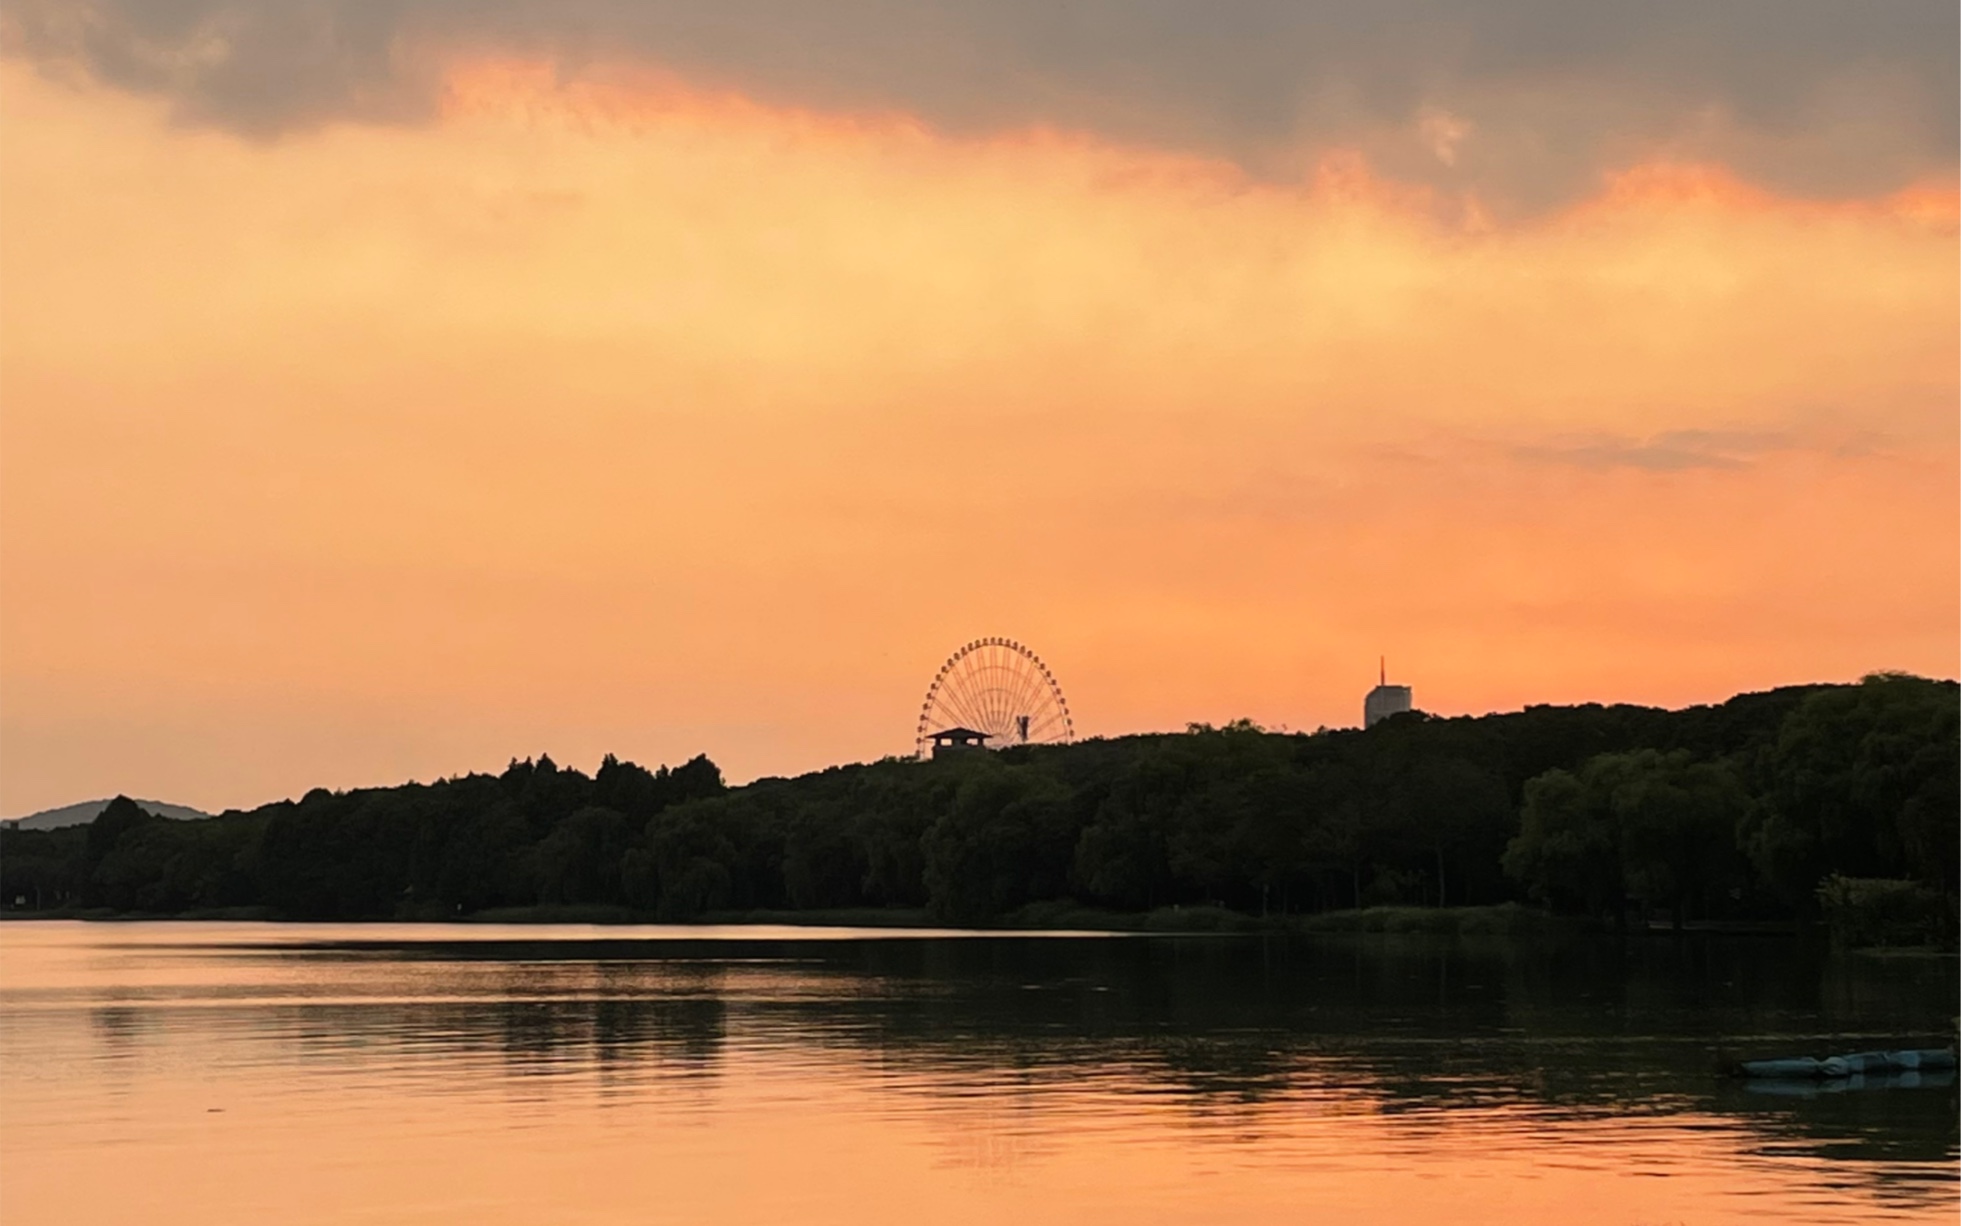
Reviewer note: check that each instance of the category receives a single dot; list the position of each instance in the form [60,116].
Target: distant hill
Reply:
[1837,802]
[85,812]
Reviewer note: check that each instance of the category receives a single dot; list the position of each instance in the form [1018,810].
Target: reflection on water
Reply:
[220,1073]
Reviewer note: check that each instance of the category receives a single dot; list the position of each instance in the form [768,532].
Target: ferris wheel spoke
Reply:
[1043,723]
[995,703]
[1015,702]
[983,691]
[951,700]
[1038,706]
[1004,694]
[965,706]
[1010,709]
[1018,694]
[993,699]
[1008,679]
[1015,706]
[980,701]
[1010,712]
[1031,695]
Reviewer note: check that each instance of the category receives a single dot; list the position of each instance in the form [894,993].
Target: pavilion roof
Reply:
[958,734]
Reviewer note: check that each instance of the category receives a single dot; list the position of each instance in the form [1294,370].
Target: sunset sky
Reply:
[388,390]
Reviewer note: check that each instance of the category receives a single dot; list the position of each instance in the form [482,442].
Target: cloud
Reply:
[1443,132]
[1670,451]
[1810,96]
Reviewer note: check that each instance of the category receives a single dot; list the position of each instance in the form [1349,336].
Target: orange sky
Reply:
[612,413]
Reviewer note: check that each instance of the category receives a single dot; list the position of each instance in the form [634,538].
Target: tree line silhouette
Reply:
[1760,807]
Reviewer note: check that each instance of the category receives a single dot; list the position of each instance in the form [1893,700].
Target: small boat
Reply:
[1858,1063]
[1819,1087]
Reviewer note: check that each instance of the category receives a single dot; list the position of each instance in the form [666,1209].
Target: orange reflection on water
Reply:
[525,1089]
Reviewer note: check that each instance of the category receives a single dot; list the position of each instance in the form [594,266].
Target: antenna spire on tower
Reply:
[1382,662]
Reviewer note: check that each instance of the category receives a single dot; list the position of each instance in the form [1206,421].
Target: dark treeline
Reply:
[1771,805]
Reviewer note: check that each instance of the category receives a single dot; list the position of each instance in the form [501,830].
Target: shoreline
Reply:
[1502,919]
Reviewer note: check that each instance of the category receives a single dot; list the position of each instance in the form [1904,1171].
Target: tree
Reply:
[1862,782]
[118,818]
[1007,840]
[1452,809]
[692,858]
[1677,820]
[579,861]
[1657,826]
[1566,853]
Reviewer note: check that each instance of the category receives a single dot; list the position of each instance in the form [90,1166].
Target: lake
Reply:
[251,1073]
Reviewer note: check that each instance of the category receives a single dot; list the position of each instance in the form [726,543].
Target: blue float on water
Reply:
[1857,1063]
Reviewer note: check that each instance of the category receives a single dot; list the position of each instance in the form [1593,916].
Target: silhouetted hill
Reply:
[87,811]
[1800,801]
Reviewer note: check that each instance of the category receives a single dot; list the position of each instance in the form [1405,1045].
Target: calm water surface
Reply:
[235,1073]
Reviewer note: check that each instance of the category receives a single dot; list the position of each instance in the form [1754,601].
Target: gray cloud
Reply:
[1816,96]
[1671,451]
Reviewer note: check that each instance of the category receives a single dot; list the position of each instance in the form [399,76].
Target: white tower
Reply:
[1384,700]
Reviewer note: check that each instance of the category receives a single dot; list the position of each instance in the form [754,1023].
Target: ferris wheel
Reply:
[1000,689]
